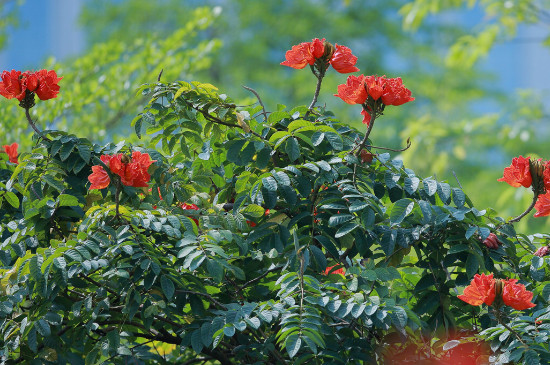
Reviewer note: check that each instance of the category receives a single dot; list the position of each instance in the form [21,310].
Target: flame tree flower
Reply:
[518,173]
[132,171]
[481,290]
[322,52]
[11,150]
[374,93]
[516,296]
[16,84]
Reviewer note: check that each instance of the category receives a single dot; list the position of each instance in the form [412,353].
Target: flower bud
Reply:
[542,251]
[329,50]
[536,168]
[492,241]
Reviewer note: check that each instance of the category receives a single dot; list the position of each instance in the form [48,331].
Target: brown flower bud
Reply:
[492,241]
[126,159]
[329,50]
[536,168]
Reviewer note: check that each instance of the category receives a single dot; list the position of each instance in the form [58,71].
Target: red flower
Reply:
[15,84]
[518,174]
[516,296]
[492,241]
[48,87]
[11,85]
[133,173]
[395,93]
[186,206]
[542,205]
[340,271]
[343,61]
[353,91]
[306,53]
[542,251]
[11,150]
[366,90]
[481,290]
[546,175]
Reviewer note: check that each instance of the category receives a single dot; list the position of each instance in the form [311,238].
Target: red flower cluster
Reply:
[11,150]
[340,271]
[43,83]
[132,173]
[340,57]
[519,174]
[492,241]
[366,90]
[483,289]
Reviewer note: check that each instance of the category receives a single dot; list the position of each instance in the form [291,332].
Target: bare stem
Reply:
[369,129]
[392,149]
[33,126]
[259,100]
[530,208]
[317,90]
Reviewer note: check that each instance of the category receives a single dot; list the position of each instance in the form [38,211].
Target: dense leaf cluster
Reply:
[94,277]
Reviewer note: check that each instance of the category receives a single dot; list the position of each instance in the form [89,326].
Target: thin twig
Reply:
[391,149]
[456,177]
[259,100]
[252,281]
[208,296]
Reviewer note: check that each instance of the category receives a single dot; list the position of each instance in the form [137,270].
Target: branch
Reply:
[317,90]
[369,129]
[33,126]
[529,209]
[391,149]
[208,296]
[259,100]
[252,281]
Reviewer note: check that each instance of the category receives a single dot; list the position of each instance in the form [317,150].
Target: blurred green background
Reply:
[476,68]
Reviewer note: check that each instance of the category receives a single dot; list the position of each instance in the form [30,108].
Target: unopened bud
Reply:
[329,50]
[125,159]
[543,251]
[536,168]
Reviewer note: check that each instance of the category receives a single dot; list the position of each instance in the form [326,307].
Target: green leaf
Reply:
[345,229]
[66,150]
[215,269]
[401,209]
[338,219]
[85,152]
[411,184]
[269,183]
[459,198]
[546,293]
[292,344]
[167,286]
[66,200]
[335,140]
[430,186]
[458,248]
[50,180]
[196,341]
[292,149]
[472,265]
[531,358]
[43,327]
[317,138]
[253,210]
[12,199]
